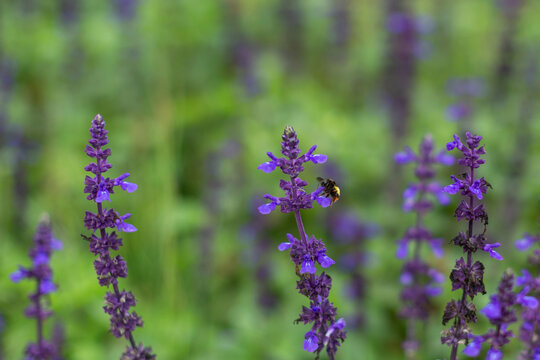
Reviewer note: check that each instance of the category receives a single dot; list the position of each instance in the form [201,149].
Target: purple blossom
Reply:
[41,271]
[468,274]
[305,252]
[101,242]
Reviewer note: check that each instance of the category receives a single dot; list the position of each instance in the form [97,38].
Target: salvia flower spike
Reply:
[306,252]
[420,280]
[41,272]
[467,275]
[500,312]
[102,241]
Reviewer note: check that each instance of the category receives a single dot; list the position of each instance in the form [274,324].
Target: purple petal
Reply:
[129,187]
[125,227]
[524,279]
[494,354]
[405,156]
[103,195]
[318,158]
[436,247]
[284,246]
[402,249]
[452,188]
[47,286]
[410,192]
[489,248]
[18,275]
[340,324]
[268,166]
[530,302]
[267,208]
[323,201]
[311,342]
[325,261]
[40,259]
[444,158]
[473,349]
[406,278]
[492,311]
[524,243]
[57,244]
[436,276]
[432,291]
[308,267]
[442,197]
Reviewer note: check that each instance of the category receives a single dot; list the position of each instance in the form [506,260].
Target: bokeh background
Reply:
[194,94]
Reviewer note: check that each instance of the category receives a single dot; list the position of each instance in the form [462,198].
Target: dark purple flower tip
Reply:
[524,243]
[325,260]
[311,342]
[489,248]
[308,266]
[474,347]
[405,156]
[267,167]
[453,188]
[267,208]
[19,274]
[47,286]
[123,226]
[444,159]
[494,354]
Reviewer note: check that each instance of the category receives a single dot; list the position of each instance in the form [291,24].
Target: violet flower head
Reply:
[109,267]
[419,280]
[41,272]
[467,275]
[306,253]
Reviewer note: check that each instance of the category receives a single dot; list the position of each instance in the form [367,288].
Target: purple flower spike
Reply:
[41,272]
[103,242]
[419,280]
[304,251]
[468,274]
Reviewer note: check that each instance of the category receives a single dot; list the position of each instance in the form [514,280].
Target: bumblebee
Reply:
[331,190]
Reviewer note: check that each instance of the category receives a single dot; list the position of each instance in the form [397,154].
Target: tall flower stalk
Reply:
[326,331]
[467,275]
[41,272]
[418,278]
[109,268]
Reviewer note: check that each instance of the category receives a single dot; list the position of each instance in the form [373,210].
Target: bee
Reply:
[331,190]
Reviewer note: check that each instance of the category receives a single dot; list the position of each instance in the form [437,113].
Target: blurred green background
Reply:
[194,94]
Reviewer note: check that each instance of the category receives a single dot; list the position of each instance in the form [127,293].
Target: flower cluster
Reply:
[44,244]
[418,278]
[500,313]
[108,267]
[326,331]
[529,332]
[467,275]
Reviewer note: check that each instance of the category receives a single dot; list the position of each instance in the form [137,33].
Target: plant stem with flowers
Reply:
[44,244]
[467,275]
[108,268]
[325,332]
[418,278]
